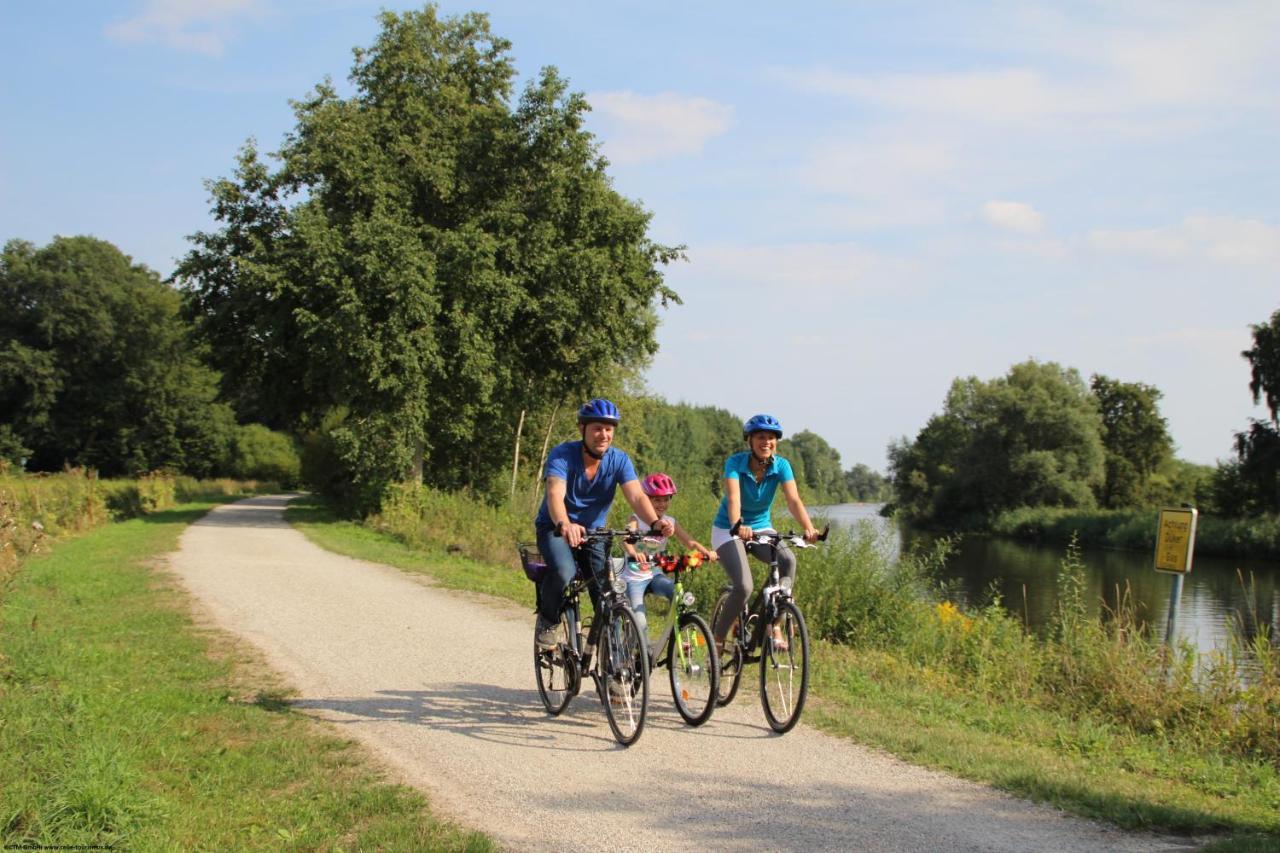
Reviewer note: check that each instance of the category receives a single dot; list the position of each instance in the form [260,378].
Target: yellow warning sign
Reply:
[1175,540]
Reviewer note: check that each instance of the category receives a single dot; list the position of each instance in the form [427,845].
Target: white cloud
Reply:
[1138,63]
[798,269]
[1013,216]
[1218,239]
[190,26]
[637,127]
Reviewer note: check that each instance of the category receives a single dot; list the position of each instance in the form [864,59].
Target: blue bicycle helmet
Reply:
[762,423]
[599,410]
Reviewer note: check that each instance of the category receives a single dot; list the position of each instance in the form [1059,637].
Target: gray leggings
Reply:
[733,557]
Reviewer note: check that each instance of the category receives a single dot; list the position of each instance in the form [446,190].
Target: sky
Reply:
[876,198]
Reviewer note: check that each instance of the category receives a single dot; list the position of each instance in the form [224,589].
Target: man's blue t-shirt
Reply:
[587,501]
[757,498]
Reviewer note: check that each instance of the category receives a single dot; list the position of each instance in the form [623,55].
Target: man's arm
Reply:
[640,503]
[573,533]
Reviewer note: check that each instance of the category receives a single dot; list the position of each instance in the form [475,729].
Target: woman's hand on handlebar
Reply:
[745,533]
[812,534]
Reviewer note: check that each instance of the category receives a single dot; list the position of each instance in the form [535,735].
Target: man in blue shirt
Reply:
[582,477]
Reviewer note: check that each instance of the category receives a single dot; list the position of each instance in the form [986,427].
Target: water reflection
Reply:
[1217,593]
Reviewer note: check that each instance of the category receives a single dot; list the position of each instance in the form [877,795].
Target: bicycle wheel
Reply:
[557,673]
[624,675]
[784,672]
[694,669]
[731,660]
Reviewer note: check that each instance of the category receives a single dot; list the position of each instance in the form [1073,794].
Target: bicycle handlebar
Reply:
[630,536]
[791,537]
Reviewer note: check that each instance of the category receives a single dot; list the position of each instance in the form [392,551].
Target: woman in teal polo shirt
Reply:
[751,480]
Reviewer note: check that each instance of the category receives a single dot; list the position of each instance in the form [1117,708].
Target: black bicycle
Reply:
[619,666]
[771,632]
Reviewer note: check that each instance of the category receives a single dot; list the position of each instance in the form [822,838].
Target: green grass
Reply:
[122,724]
[933,716]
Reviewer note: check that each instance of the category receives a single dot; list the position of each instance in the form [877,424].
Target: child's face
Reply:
[660,503]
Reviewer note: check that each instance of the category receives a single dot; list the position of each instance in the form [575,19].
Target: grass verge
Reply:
[929,716]
[123,725]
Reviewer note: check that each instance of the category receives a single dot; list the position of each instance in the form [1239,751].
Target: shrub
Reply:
[258,453]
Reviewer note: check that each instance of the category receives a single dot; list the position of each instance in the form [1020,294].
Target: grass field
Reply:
[123,724]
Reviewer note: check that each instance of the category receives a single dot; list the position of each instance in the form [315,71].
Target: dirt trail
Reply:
[440,685]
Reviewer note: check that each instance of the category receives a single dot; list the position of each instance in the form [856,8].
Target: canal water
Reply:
[1218,593]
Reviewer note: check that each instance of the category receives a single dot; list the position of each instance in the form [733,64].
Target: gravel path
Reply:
[440,685]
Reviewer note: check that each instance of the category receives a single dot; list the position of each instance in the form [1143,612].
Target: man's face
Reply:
[597,436]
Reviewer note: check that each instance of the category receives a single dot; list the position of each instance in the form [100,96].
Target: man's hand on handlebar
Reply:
[573,534]
[663,527]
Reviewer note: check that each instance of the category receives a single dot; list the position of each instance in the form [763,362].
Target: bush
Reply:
[258,453]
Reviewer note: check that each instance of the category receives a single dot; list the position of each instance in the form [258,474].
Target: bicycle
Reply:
[784,666]
[620,666]
[686,648]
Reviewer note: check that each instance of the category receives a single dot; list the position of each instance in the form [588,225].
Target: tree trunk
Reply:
[546,442]
[415,468]
[515,461]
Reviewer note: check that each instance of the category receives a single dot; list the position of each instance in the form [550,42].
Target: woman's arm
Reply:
[733,507]
[798,512]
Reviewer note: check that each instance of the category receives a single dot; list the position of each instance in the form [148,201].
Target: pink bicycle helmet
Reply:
[657,485]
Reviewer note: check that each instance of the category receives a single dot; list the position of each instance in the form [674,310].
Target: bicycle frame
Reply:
[679,604]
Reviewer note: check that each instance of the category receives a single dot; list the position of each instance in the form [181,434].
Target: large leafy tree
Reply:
[1135,439]
[427,262]
[1026,439]
[96,368]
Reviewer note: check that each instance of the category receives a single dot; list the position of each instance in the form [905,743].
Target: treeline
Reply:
[420,284]
[98,370]
[1041,437]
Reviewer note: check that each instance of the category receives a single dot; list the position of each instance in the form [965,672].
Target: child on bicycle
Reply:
[640,573]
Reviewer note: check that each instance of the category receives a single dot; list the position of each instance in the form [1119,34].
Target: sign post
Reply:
[1175,542]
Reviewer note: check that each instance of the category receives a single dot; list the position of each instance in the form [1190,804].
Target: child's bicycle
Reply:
[772,632]
[620,665]
[686,648]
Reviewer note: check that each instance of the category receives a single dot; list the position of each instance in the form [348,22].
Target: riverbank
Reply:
[1135,530]
[1090,720]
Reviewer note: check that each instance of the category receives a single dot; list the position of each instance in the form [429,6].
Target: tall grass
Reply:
[37,508]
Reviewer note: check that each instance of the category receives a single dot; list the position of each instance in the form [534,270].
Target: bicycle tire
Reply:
[784,673]
[693,668]
[731,661]
[557,673]
[623,665]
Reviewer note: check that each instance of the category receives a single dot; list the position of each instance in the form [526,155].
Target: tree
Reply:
[96,368]
[865,485]
[1251,484]
[1030,438]
[1264,364]
[427,261]
[817,467]
[1135,439]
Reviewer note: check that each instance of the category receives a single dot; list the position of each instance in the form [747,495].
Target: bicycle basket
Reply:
[532,562]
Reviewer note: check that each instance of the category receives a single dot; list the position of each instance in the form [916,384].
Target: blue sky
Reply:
[877,197]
